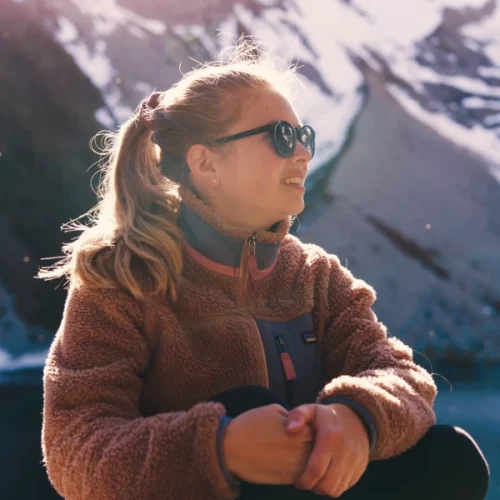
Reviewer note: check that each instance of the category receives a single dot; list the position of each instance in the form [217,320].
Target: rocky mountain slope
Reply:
[407,115]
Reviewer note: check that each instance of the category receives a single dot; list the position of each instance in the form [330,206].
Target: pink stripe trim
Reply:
[257,273]
[233,272]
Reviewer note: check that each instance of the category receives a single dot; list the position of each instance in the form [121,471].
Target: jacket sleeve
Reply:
[96,444]
[364,365]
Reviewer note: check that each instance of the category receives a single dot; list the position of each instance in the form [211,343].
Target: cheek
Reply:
[265,180]
[258,172]
[267,169]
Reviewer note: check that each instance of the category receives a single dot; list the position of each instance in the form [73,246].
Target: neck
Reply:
[232,216]
[271,232]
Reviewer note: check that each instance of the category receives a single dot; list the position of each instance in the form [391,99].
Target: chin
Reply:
[295,208]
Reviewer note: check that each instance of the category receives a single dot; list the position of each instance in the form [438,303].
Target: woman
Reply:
[205,352]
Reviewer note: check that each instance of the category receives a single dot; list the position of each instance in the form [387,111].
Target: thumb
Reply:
[300,416]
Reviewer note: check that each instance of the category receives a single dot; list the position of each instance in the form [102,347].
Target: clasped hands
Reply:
[322,448]
[340,451]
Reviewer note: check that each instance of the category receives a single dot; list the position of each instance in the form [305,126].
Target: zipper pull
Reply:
[252,245]
[286,360]
[249,250]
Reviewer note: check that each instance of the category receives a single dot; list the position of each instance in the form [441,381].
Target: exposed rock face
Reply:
[417,217]
[411,213]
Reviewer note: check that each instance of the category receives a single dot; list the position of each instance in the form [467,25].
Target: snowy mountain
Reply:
[435,61]
[441,59]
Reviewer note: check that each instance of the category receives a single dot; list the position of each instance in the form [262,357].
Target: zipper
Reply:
[288,368]
[250,250]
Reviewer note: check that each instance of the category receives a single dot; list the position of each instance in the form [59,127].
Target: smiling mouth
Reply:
[293,181]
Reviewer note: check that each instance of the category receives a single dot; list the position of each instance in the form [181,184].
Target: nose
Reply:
[301,152]
[303,165]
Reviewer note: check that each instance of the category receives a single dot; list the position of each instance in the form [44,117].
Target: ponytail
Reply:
[134,242]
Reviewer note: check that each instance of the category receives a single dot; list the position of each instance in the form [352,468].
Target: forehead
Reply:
[263,107]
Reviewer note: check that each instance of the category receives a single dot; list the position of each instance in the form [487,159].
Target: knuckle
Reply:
[304,483]
[315,471]
[276,408]
[336,492]
[318,490]
[323,489]
[333,438]
[337,438]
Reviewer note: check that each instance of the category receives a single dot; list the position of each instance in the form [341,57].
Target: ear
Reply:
[200,160]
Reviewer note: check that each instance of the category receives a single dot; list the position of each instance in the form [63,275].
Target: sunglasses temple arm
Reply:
[247,133]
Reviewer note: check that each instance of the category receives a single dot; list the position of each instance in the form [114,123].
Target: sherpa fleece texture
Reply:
[126,383]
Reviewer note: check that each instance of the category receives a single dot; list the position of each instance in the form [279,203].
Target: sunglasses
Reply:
[283,135]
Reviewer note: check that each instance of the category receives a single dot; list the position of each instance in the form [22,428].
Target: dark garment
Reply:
[445,464]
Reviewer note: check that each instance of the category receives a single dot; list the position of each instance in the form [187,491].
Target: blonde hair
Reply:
[131,240]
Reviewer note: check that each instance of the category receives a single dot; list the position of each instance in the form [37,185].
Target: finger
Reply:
[300,416]
[357,473]
[342,487]
[327,482]
[336,479]
[350,475]
[334,486]
[323,489]
[343,484]
[296,424]
[283,412]
[318,463]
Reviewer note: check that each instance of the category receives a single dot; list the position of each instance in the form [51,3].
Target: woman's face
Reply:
[250,191]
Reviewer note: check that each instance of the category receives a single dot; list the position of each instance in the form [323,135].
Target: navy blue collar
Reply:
[218,241]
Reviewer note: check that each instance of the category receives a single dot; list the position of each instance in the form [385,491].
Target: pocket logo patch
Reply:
[308,337]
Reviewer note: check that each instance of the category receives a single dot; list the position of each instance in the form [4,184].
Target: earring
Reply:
[215,181]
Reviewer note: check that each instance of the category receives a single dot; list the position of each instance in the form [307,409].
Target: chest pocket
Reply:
[293,359]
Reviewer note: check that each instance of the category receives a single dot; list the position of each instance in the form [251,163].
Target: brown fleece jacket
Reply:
[126,383]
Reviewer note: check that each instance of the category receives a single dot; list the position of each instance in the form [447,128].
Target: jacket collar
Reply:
[217,244]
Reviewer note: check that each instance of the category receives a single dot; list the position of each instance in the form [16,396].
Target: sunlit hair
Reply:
[131,239]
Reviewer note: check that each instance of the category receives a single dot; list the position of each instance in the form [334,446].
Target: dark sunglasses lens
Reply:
[284,139]
[306,137]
